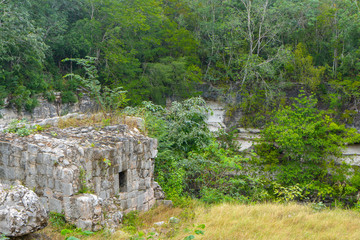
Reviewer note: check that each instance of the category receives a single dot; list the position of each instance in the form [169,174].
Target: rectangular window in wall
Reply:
[122,181]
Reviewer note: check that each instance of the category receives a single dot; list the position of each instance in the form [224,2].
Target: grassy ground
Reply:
[234,221]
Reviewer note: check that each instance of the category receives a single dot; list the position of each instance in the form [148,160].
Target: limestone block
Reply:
[32,169]
[140,199]
[41,181]
[41,169]
[84,224]
[21,211]
[97,184]
[123,204]
[33,149]
[84,210]
[50,183]
[55,205]
[20,174]
[67,189]
[2,173]
[39,158]
[49,170]
[141,185]
[45,202]
[103,194]
[147,182]
[58,185]
[10,173]
[67,175]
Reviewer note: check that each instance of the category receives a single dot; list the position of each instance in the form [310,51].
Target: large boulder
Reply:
[21,211]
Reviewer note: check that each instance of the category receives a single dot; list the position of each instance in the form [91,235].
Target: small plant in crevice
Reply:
[53,133]
[57,219]
[83,188]
[107,162]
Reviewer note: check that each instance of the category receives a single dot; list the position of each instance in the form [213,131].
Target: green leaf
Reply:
[66,231]
[87,233]
[199,232]
[202,226]
[72,238]
[189,237]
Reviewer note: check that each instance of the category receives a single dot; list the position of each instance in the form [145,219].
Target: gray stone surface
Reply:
[21,211]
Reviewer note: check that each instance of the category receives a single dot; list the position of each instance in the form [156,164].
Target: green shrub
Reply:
[303,133]
[355,180]
[268,153]
[68,97]
[23,99]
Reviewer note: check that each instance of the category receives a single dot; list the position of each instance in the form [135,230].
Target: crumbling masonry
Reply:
[92,175]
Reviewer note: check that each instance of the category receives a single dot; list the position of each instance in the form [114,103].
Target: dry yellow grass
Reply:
[275,221]
[101,119]
[247,222]
[91,120]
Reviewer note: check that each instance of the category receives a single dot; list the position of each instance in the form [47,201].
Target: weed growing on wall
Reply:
[22,128]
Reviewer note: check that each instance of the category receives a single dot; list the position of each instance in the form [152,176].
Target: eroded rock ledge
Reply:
[91,174]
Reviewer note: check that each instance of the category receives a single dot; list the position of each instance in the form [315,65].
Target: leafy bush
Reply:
[303,133]
[302,143]
[23,99]
[68,97]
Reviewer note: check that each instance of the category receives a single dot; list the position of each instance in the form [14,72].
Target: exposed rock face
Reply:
[216,118]
[158,192]
[113,163]
[21,211]
[46,109]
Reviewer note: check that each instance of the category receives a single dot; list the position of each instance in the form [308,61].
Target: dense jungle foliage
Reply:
[298,157]
[261,51]
[156,49]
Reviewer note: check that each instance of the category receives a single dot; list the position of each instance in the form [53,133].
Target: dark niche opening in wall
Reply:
[122,181]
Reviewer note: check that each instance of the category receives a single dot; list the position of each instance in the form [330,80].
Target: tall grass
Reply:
[246,222]
[275,221]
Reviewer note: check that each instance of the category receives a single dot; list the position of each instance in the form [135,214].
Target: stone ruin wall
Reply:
[57,163]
